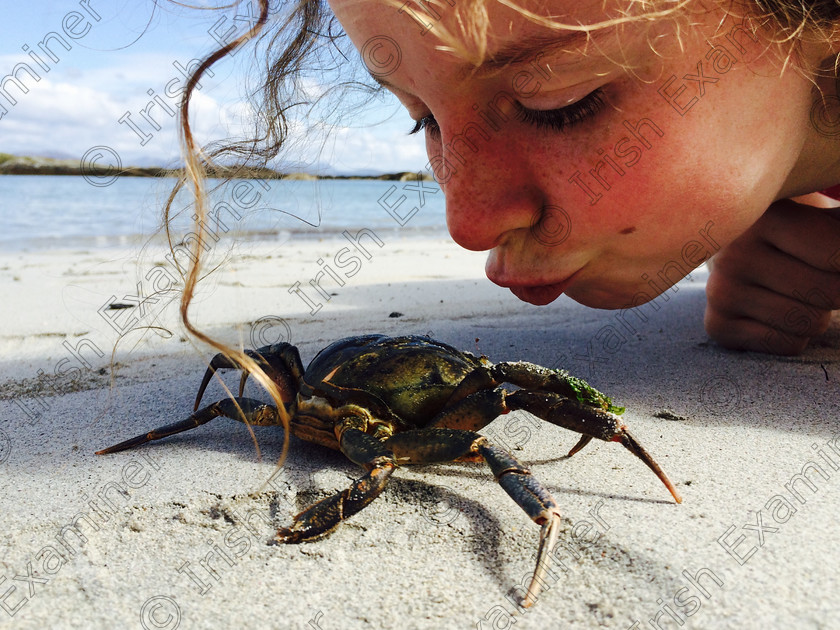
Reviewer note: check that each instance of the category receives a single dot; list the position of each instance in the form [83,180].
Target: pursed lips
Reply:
[537,293]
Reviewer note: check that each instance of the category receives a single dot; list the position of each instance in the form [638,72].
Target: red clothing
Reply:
[833,192]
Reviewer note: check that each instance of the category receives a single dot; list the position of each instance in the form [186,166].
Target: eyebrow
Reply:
[519,53]
[516,54]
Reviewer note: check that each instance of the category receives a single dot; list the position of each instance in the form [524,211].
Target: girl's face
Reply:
[606,170]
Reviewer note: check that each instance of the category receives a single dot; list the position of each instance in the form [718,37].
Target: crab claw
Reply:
[219,362]
[584,440]
[639,451]
[589,422]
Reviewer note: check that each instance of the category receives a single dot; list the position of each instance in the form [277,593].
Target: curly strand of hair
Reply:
[196,163]
[793,20]
[470,43]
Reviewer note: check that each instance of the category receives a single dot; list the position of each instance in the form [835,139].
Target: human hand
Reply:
[774,287]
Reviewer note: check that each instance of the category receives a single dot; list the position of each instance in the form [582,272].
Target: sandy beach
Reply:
[173,534]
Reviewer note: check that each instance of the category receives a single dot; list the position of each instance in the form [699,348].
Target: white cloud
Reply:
[66,118]
[78,103]
[377,148]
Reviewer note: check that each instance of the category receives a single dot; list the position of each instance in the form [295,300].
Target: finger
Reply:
[778,272]
[789,315]
[804,232]
[749,334]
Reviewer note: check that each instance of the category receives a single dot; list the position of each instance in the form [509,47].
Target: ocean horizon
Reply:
[59,212]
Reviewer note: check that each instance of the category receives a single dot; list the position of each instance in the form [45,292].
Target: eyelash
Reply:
[427,122]
[556,119]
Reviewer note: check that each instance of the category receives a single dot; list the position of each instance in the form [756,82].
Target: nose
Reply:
[489,186]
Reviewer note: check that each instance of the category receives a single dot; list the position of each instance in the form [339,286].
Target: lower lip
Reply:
[541,295]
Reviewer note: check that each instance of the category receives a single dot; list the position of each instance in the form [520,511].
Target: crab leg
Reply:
[322,517]
[428,446]
[280,361]
[220,362]
[529,494]
[244,409]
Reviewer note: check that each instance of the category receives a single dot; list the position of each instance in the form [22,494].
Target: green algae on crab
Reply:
[584,392]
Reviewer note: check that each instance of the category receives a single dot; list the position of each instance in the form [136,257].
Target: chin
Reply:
[612,297]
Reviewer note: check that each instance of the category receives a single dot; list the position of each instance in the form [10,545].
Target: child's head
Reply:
[605,160]
[602,148]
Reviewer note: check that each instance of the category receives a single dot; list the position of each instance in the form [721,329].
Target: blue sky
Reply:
[116,60]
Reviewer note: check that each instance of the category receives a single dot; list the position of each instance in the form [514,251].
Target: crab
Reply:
[388,401]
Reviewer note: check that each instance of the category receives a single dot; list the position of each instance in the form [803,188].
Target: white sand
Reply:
[444,546]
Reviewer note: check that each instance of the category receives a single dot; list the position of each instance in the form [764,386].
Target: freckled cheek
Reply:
[643,215]
[634,208]
[492,170]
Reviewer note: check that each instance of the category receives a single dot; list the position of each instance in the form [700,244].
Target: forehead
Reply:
[487,32]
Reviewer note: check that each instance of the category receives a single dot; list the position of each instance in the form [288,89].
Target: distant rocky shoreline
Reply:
[28,165]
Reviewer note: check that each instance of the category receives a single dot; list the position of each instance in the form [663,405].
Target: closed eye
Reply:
[556,119]
[564,117]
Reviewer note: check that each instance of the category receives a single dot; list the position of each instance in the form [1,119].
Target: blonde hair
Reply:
[308,29]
